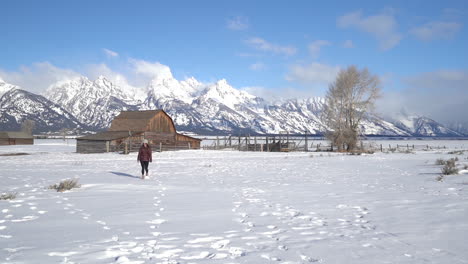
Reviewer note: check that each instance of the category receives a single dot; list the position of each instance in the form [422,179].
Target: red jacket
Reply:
[145,154]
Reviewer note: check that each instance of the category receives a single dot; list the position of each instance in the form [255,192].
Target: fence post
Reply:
[239,143]
[267,145]
[160,146]
[255,142]
[381,148]
[230,141]
[306,146]
[188,145]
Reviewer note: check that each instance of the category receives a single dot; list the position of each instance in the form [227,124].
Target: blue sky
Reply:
[288,48]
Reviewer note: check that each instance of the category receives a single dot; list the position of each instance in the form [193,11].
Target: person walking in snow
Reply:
[144,157]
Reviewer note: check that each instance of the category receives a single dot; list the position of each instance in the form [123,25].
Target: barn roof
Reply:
[108,135]
[16,134]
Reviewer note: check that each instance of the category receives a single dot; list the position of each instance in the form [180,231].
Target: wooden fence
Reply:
[301,143]
[126,148]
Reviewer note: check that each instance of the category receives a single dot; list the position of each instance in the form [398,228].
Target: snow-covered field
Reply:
[232,207]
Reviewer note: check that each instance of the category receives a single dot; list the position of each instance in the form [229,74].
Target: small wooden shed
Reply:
[16,138]
[130,128]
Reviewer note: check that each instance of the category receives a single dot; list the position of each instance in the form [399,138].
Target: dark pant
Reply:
[144,167]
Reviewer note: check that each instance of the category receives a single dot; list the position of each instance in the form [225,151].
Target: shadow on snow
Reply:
[124,174]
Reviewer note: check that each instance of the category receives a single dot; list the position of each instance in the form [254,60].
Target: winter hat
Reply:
[145,141]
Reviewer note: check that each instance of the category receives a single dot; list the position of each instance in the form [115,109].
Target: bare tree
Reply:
[28,126]
[347,101]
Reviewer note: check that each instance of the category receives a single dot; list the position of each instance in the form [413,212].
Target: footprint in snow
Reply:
[25,219]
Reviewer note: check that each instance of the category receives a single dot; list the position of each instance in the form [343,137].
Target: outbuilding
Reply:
[16,138]
[130,128]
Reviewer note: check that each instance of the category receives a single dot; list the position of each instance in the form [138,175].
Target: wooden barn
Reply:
[130,128]
[16,138]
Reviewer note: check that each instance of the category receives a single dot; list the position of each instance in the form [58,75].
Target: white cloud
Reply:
[93,71]
[124,81]
[263,45]
[348,44]
[315,47]
[436,30]
[257,66]
[441,95]
[130,74]
[109,53]
[382,26]
[38,77]
[314,76]
[150,70]
[238,23]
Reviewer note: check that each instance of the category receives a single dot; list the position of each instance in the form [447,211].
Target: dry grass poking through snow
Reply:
[449,167]
[65,185]
[8,196]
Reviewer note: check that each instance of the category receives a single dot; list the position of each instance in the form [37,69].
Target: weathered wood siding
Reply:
[156,138]
[194,143]
[161,123]
[16,141]
[132,144]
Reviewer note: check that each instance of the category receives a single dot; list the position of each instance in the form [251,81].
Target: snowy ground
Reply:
[232,207]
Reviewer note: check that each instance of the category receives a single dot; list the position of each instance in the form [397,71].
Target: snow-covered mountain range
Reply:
[17,105]
[215,108]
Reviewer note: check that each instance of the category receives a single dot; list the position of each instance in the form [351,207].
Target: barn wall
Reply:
[164,138]
[24,141]
[16,141]
[194,143]
[161,123]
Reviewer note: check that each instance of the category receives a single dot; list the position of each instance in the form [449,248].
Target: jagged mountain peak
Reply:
[192,82]
[224,93]
[5,87]
[170,89]
[102,81]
